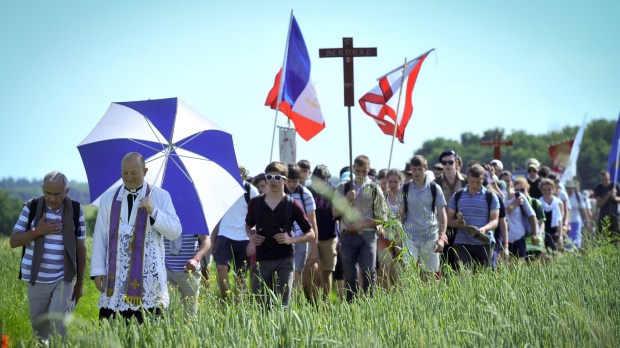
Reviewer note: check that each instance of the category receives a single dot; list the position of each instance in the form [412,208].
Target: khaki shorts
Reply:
[327,254]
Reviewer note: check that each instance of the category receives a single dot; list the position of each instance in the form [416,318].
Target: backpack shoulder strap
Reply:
[457,196]
[76,217]
[489,197]
[374,188]
[434,194]
[287,221]
[246,185]
[32,207]
[259,199]
[300,191]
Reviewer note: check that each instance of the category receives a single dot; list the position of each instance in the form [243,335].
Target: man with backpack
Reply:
[272,216]
[362,206]
[474,212]
[424,218]
[451,180]
[52,232]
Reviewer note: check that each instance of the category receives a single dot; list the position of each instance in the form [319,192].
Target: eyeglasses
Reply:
[276,177]
[445,163]
[531,170]
[522,190]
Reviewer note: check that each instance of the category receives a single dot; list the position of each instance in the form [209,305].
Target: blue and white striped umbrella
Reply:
[187,155]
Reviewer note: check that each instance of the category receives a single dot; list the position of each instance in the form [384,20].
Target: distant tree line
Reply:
[593,155]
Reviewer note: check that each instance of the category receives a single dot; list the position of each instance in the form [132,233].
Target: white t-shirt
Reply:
[232,225]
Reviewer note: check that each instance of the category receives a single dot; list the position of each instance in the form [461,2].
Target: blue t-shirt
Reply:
[475,210]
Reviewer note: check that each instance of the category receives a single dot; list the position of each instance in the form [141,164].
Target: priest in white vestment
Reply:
[127,262]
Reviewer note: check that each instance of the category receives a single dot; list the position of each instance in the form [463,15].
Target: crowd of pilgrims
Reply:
[300,228]
[368,225]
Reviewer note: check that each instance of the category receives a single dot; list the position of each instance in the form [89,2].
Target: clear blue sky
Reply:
[532,65]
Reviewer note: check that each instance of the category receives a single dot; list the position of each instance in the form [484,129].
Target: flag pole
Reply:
[281,87]
[400,92]
[616,164]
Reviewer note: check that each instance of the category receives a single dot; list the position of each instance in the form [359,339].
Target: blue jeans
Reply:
[359,249]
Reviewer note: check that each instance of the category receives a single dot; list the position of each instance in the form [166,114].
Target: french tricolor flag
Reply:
[298,100]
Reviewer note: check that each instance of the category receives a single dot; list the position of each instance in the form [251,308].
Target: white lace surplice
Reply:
[155,290]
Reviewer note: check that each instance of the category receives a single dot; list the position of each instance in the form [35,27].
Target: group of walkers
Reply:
[297,228]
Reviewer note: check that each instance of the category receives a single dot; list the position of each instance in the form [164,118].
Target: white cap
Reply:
[498,163]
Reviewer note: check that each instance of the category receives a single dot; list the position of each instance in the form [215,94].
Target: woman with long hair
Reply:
[388,246]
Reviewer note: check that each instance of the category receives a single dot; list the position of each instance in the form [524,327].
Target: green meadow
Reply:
[572,300]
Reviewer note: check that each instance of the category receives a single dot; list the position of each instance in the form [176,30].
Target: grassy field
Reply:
[572,301]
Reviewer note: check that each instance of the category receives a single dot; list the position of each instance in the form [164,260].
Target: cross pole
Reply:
[348,52]
[496,143]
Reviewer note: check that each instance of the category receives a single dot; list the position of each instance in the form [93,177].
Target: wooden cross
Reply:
[496,143]
[348,52]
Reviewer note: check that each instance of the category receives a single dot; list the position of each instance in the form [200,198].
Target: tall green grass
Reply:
[572,301]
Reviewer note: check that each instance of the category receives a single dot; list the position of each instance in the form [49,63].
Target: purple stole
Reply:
[133,293]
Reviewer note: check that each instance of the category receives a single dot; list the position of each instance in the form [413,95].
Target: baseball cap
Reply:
[498,163]
[447,152]
[532,163]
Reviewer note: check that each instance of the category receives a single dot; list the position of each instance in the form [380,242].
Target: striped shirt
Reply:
[188,251]
[308,201]
[53,260]
[475,211]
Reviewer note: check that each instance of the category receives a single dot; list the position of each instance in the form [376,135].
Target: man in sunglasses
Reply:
[272,215]
[450,181]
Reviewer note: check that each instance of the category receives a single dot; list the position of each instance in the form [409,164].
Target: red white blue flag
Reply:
[298,100]
[381,102]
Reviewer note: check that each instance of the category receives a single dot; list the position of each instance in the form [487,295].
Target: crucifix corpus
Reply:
[348,52]
[496,143]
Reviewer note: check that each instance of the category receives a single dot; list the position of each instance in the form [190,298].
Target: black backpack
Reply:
[300,191]
[246,186]
[32,206]
[405,191]
[287,220]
